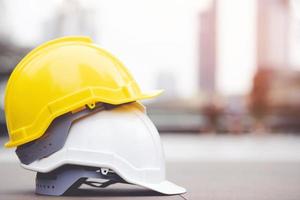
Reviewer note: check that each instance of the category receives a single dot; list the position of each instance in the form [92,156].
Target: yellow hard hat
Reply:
[61,76]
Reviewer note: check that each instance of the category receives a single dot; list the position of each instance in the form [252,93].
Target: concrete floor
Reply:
[213,180]
[209,167]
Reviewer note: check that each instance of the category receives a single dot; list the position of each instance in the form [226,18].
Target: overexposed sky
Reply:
[153,37]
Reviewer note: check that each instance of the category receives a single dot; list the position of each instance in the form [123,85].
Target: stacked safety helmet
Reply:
[72,111]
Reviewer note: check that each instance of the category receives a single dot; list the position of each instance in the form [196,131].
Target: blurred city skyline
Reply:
[162,40]
[224,64]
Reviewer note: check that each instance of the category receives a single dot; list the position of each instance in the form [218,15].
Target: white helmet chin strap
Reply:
[67,179]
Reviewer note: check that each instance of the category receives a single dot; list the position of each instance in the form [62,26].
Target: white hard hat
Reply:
[122,140]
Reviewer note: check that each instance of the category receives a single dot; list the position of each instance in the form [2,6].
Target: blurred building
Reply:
[284,100]
[208,39]
[71,18]
[3,21]
[167,80]
[295,34]
[275,96]
[273,23]
[275,99]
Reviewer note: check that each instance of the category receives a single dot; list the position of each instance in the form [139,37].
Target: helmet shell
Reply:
[61,76]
